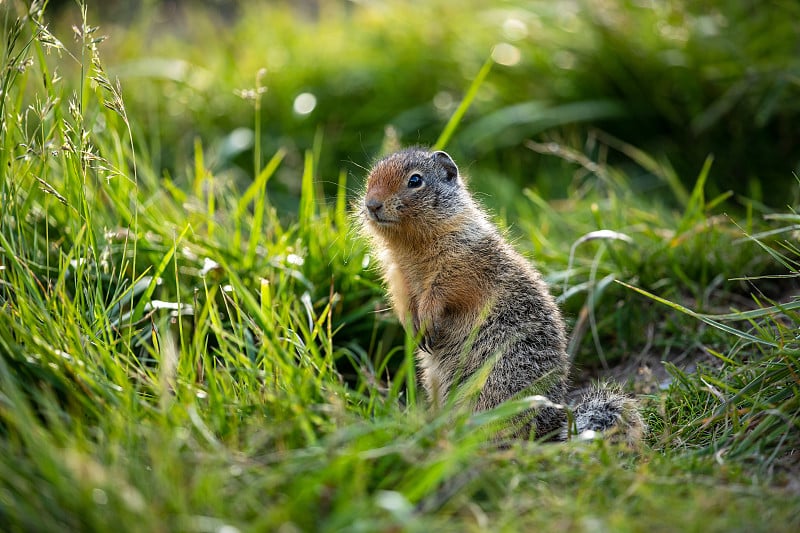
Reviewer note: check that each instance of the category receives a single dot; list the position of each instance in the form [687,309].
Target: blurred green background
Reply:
[680,80]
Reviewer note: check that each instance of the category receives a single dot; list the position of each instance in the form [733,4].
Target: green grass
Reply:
[180,352]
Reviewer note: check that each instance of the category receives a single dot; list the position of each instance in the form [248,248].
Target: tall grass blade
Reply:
[462,108]
[138,311]
[695,207]
[704,318]
[307,193]
[258,190]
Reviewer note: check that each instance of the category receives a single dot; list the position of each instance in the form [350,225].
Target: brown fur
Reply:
[479,305]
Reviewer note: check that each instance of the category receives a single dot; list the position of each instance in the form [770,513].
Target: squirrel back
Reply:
[481,309]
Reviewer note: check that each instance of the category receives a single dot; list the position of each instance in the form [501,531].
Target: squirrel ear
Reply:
[444,159]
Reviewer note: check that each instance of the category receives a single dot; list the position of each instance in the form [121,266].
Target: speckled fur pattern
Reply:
[480,306]
[605,408]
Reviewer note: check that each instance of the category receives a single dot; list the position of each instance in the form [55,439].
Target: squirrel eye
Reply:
[414,181]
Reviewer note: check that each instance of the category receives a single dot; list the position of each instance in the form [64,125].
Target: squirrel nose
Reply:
[374,205]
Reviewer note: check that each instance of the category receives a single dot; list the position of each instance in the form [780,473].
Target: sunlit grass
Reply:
[179,353]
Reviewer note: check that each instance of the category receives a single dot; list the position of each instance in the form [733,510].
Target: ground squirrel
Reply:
[476,303]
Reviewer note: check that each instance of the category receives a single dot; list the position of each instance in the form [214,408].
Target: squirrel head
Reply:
[414,192]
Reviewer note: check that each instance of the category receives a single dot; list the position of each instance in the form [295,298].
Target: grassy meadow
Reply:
[193,336]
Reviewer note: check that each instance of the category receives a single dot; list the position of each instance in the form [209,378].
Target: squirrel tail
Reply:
[605,408]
